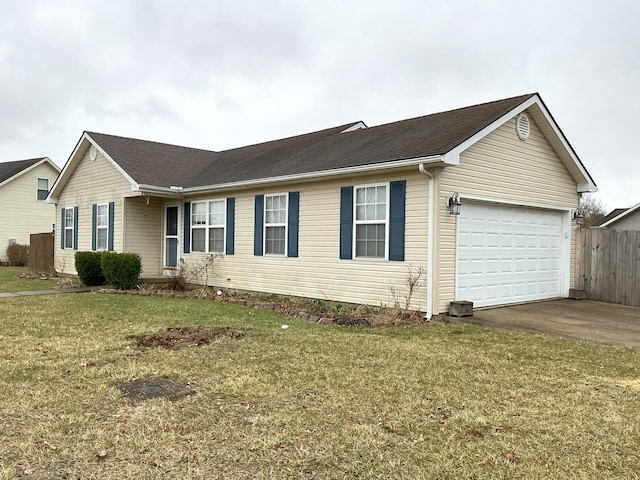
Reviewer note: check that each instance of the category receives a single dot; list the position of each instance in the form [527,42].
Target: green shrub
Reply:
[121,269]
[89,268]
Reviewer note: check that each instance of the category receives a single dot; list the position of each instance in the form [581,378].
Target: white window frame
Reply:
[207,225]
[102,227]
[284,224]
[357,222]
[69,233]
[38,189]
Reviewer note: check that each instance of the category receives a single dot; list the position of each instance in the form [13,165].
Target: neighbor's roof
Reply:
[11,169]
[610,219]
[337,149]
[612,214]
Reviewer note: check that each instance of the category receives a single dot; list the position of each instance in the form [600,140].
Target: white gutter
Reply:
[408,162]
[430,246]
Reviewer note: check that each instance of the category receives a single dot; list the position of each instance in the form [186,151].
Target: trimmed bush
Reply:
[121,269]
[89,268]
[18,254]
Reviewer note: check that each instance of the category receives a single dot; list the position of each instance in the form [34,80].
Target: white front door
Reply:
[171,236]
[509,254]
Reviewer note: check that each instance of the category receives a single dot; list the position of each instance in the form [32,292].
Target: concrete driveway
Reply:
[575,319]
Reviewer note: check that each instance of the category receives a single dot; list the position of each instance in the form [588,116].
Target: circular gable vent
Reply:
[523,126]
[93,152]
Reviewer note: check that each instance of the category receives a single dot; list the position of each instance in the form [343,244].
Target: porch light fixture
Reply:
[578,217]
[454,204]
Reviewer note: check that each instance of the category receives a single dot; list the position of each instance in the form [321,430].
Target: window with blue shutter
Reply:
[346,223]
[258,225]
[231,225]
[293,222]
[369,228]
[110,242]
[75,228]
[397,200]
[187,227]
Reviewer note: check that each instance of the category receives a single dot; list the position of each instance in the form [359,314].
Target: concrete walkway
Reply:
[583,320]
[53,291]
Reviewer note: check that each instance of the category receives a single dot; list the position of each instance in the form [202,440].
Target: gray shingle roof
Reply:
[163,165]
[10,169]
[611,215]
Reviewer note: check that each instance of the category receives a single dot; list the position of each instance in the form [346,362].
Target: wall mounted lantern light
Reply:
[454,204]
[578,217]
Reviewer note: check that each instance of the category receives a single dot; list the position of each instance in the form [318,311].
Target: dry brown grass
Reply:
[307,402]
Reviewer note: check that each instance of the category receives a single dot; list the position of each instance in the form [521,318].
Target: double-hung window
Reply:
[372,221]
[42,188]
[275,224]
[371,231]
[102,226]
[208,223]
[68,227]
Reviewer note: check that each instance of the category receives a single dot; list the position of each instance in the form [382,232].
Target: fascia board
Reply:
[436,159]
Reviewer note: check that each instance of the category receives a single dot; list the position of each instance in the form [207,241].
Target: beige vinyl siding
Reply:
[143,224]
[21,213]
[500,167]
[318,271]
[93,181]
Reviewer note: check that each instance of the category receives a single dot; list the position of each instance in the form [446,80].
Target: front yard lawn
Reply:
[10,281]
[307,402]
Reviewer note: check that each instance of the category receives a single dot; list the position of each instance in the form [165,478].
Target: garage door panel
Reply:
[508,254]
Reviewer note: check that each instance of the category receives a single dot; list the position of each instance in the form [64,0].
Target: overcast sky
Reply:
[217,74]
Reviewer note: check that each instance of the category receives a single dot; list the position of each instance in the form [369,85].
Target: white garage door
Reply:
[508,254]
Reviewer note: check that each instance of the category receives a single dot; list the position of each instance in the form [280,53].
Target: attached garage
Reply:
[510,254]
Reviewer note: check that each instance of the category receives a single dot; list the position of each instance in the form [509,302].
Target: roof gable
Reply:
[10,170]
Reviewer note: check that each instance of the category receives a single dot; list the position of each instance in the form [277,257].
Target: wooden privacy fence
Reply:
[608,265]
[41,252]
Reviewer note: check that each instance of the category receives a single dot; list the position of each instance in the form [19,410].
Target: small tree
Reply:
[593,210]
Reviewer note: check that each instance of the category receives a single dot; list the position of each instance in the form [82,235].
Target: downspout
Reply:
[430,246]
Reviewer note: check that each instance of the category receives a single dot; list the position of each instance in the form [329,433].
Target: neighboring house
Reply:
[24,185]
[346,213]
[622,219]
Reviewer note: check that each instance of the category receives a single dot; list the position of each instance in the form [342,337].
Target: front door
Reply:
[171,238]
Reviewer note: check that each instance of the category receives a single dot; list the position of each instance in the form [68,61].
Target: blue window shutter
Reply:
[187,227]
[94,217]
[397,220]
[75,228]
[112,207]
[293,224]
[62,229]
[346,223]
[231,226]
[258,226]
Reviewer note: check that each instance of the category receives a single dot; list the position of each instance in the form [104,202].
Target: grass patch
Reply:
[10,281]
[310,401]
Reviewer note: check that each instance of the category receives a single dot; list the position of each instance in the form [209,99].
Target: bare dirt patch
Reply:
[175,338]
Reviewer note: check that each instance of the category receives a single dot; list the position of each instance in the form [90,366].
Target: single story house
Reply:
[621,219]
[349,213]
[24,185]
